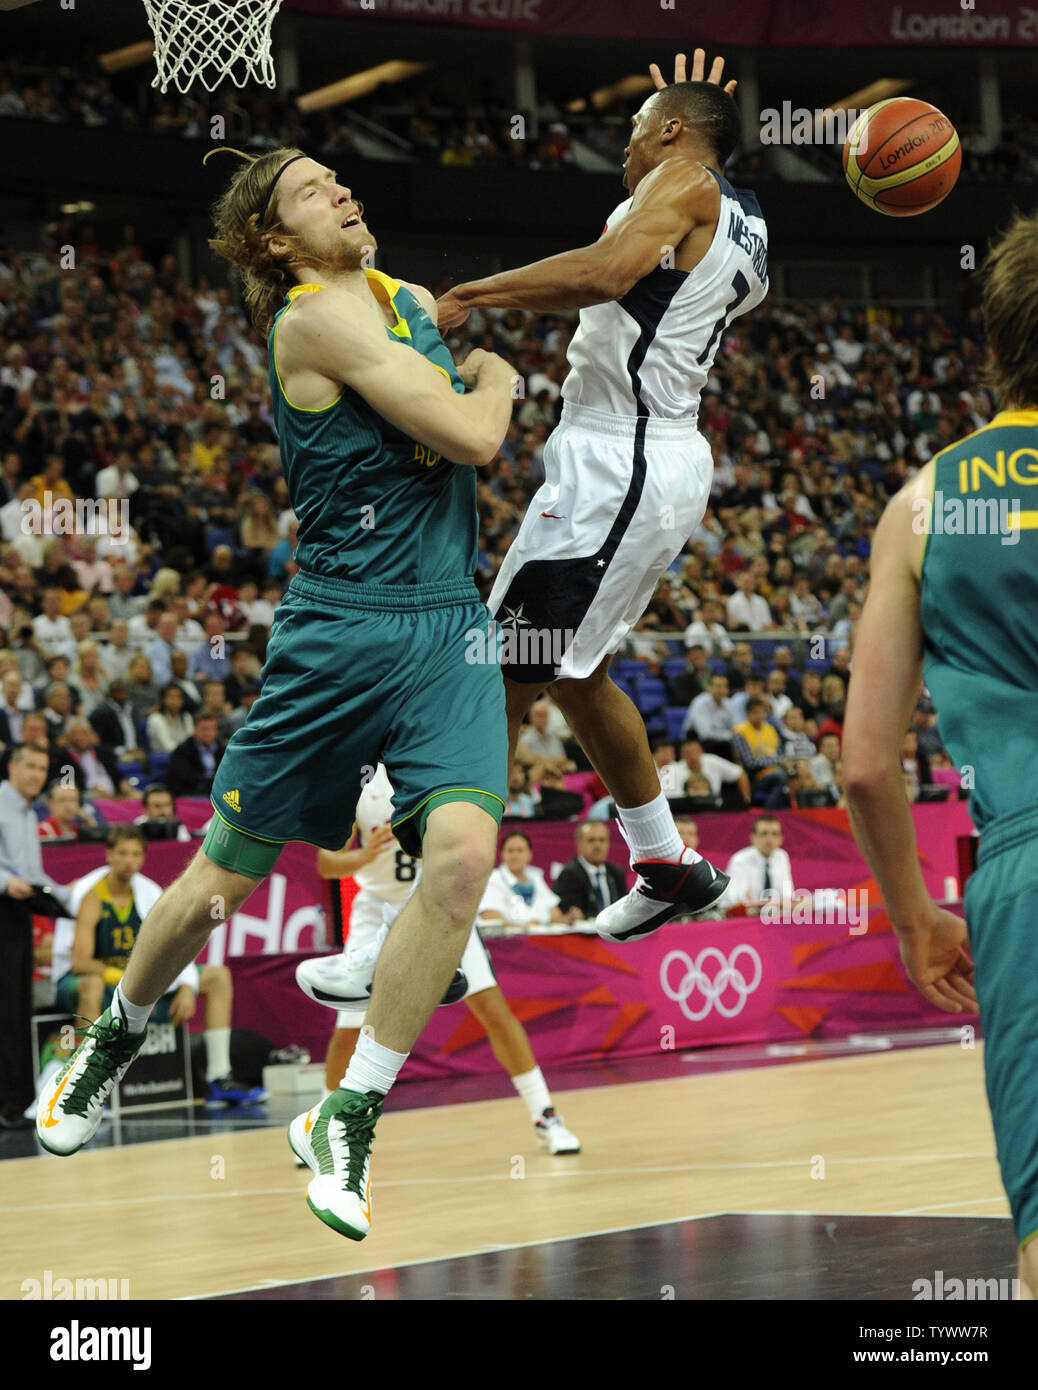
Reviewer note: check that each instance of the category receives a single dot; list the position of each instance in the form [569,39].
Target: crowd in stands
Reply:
[137,654]
[425,122]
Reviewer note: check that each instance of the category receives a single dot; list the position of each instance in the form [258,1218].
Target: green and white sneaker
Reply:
[70,1106]
[335,1139]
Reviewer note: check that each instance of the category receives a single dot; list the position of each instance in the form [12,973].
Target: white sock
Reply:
[217,1053]
[651,832]
[533,1088]
[372,1066]
[137,1015]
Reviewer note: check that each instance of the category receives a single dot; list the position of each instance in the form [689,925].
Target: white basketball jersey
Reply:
[649,353]
[392,873]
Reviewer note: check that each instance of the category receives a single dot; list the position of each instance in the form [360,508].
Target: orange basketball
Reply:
[902,156]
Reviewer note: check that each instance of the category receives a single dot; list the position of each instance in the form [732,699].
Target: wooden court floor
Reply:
[903,1132]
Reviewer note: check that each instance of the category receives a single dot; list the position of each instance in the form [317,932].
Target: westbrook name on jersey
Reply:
[650,353]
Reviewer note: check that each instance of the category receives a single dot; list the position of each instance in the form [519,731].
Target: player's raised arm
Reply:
[336,335]
[669,203]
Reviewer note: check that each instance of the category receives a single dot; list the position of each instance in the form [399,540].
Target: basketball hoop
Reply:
[212,40]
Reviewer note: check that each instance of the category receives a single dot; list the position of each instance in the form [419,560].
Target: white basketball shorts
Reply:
[365,925]
[621,496]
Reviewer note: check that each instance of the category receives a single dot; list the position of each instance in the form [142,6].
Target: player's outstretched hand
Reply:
[698,69]
[937,961]
[449,313]
[381,836]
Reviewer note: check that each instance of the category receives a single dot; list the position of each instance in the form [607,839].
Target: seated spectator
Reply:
[115,724]
[179,677]
[57,708]
[804,790]
[16,699]
[158,806]
[194,762]
[915,763]
[779,700]
[752,690]
[794,741]
[90,676]
[783,659]
[924,722]
[210,659]
[244,670]
[553,799]
[756,746]
[708,631]
[65,813]
[810,698]
[50,628]
[824,762]
[761,872]
[710,718]
[537,748]
[663,755]
[162,646]
[833,702]
[111,903]
[95,768]
[688,830]
[214,702]
[516,892]
[141,689]
[747,610]
[692,680]
[741,666]
[171,724]
[717,772]
[520,803]
[588,883]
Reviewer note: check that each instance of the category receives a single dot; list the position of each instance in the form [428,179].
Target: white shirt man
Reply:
[54,635]
[712,637]
[501,898]
[749,610]
[762,871]
[710,716]
[717,771]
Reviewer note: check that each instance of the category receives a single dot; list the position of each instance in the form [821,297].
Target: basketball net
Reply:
[212,41]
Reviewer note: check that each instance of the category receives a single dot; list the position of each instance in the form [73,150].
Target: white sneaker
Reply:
[335,1139]
[344,981]
[71,1105]
[553,1135]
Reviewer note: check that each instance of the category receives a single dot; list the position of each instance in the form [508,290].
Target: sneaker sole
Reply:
[660,918]
[557,1153]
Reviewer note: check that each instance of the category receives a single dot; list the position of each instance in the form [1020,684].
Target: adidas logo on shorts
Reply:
[233,800]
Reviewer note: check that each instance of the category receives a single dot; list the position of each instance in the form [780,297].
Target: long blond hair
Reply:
[266,278]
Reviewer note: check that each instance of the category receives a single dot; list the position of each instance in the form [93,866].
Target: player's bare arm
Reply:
[669,204]
[337,337]
[81,958]
[681,73]
[888,659]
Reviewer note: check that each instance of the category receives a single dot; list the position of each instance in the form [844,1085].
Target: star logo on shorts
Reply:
[515,617]
[601,564]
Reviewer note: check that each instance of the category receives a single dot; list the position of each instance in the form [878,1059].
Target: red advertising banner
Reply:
[749,23]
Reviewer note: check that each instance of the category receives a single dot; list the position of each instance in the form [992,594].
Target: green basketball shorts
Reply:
[1001,903]
[359,674]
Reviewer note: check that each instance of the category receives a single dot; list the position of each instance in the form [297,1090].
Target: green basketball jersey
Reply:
[979,610]
[117,930]
[374,506]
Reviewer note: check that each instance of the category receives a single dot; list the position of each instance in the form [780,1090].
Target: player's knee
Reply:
[216,979]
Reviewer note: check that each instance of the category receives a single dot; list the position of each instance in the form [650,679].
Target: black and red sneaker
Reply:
[665,889]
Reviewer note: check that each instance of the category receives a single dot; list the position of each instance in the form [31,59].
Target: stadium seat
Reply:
[219,535]
[673,668]
[158,765]
[650,694]
[627,669]
[676,716]
[718,666]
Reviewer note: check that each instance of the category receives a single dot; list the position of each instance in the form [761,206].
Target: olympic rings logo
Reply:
[728,976]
